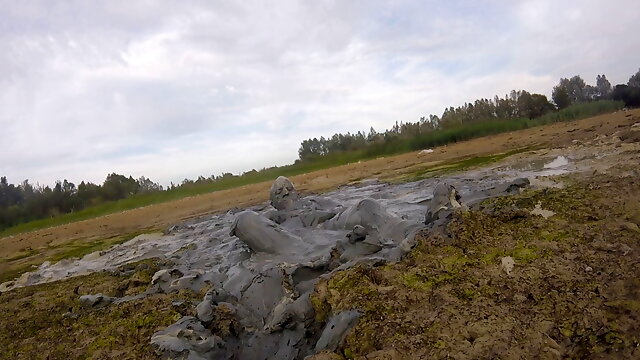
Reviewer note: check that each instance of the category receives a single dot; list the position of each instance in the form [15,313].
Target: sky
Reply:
[177,89]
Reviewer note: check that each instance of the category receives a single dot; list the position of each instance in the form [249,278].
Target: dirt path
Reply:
[34,247]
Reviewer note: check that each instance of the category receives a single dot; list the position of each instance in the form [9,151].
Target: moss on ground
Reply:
[13,267]
[455,166]
[574,291]
[47,322]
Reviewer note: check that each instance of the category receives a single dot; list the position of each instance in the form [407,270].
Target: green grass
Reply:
[80,249]
[476,161]
[21,255]
[491,127]
[390,147]
[448,136]
[13,274]
[580,111]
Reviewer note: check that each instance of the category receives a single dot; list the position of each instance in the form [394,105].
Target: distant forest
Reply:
[514,106]
[571,99]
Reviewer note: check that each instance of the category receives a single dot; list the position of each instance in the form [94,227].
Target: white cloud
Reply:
[174,90]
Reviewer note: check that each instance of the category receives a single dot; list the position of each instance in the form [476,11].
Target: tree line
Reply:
[515,105]
[25,202]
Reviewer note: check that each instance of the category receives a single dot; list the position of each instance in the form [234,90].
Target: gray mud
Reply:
[260,264]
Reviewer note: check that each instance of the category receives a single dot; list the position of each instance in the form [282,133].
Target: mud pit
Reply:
[19,252]
[288,281]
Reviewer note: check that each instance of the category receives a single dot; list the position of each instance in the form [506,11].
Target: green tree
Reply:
[603,87]
[145,185]
[575,88]
[117,187]
[560,97]
[634,80]
[533,105]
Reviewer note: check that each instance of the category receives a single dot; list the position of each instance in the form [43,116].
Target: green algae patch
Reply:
[525,254]
[319,302]
[440,169]
[418,280]
[20,255]
[492,255]
[47,320]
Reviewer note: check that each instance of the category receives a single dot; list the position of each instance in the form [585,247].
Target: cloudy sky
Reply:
[175,89]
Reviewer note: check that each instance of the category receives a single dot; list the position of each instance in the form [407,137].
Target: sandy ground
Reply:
[41,244]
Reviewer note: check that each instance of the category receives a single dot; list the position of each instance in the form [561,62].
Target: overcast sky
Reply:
[175,89]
